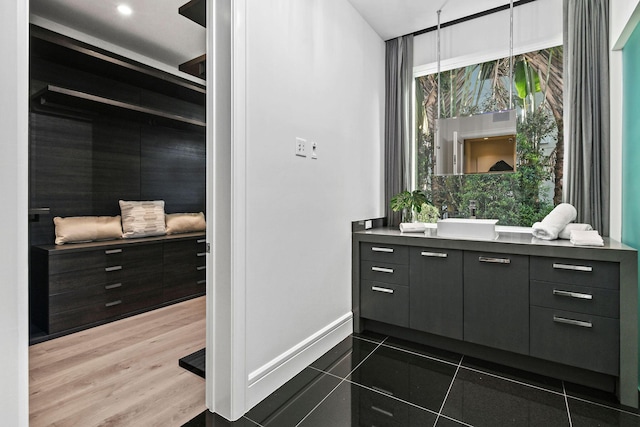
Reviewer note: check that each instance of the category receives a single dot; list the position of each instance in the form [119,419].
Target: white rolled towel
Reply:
[586,238]
[574,226]
[412,227]
[555,222]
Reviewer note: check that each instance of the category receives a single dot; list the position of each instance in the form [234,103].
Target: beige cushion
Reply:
[185,222]
[142,219]
[78,229]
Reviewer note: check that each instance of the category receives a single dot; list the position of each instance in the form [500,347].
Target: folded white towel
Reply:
[566,232]
[413,227]
[586,238]
[555,222]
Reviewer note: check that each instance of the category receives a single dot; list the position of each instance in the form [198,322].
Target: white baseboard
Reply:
[266,379]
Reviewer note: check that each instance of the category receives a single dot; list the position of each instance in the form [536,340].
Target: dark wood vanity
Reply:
[544,306]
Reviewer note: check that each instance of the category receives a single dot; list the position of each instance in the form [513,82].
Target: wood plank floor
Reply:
[123,373]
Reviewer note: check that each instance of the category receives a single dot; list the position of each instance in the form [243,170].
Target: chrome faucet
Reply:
[472,209]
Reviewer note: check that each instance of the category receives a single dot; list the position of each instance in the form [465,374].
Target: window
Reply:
[525,195]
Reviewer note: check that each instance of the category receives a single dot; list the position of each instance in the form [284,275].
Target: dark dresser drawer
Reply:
[77,280]
[88,296]
[576,339]
[74,261]
[395,254]
[385,302]
[84,315]
[579,299]
[600,274]
[384,272]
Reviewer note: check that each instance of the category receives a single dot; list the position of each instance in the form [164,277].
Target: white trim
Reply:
[631,24]
[276,372]
[238,206]
[480,57]
[210,397]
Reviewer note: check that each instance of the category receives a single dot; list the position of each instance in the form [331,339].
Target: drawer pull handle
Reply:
[572,322]
[434,254]
[113,251]
[114,268]
[494,260]
[111,304]
[586,268]
[572,294]
[201,282]
[202,254]
[387,250]
[381,390]
[201,241]
[382,270]
[382,411]
[202,267]
[383,290]
[114,286]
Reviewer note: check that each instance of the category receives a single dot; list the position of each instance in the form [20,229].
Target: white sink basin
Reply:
[484,229]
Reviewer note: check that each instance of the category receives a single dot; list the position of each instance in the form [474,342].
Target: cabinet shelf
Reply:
[196,67]
[196,10]
[58,97]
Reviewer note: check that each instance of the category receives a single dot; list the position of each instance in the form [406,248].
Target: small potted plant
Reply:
[409,203]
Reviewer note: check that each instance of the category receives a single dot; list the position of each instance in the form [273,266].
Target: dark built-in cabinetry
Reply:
[81,285]
[548,307]
[103,128]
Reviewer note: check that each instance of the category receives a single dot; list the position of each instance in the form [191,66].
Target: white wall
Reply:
[536,25]
[315,70]
[14,332]
[624,14]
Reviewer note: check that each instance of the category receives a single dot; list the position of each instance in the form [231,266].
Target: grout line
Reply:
[566,402]
[602,405]
[448,391]
[371,340]
[339,384]
[393,397]
[512,380]
[255,422]
[426,356]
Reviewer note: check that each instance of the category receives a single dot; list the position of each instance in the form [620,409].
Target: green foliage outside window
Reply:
[519,198]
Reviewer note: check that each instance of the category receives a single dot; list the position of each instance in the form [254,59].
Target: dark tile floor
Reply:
[371,380]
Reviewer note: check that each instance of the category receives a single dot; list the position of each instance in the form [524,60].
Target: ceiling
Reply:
[393,18]
[156,30]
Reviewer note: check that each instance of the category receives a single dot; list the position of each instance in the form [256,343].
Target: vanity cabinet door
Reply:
[496,300]
[435,303]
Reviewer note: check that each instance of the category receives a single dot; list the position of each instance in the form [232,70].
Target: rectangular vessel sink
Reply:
[484,229]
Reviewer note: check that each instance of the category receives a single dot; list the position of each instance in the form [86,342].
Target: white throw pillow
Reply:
[142,219]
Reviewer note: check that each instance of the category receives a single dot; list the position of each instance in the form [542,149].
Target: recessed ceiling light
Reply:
[125,10]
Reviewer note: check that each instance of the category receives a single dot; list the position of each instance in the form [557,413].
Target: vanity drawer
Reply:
[575,339]
[600,274]
[385,302]
[395,254]
[384,272]
[579,299]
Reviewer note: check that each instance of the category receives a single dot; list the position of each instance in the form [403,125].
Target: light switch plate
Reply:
[301,147]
